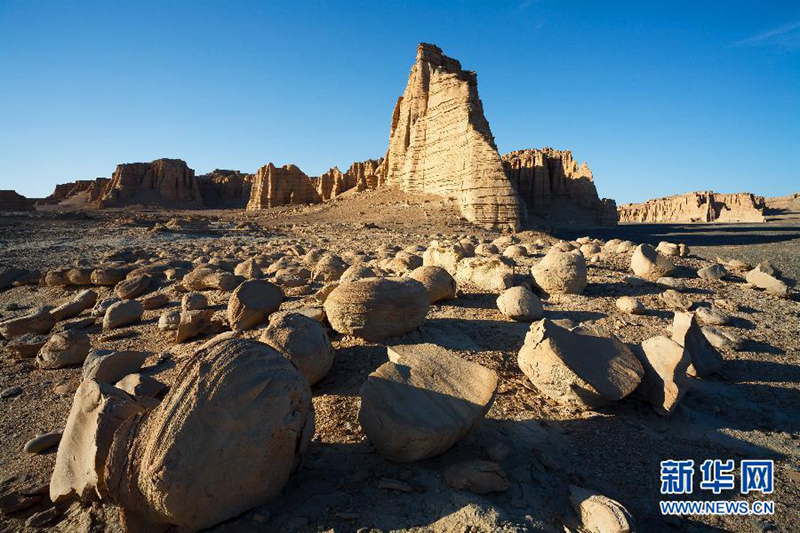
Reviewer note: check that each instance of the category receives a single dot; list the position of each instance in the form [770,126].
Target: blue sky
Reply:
[659,97]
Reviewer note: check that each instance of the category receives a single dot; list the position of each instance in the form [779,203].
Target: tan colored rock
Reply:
[252,302]
[258,407]
[191,324]
[769,283]
[697,207]
[437,281]
[109,366]
[628,304]
[488,274]
[581,371]
[598,513]
[132,287]
[205,278]
[423,401]
[286,185]
[154,301]
[444,255]
[649,264]
[248,269]
[519,303]
[675,300]
[561,273]
[67,348]
[40,321]
[330,267]
[441,143]
[712,317]
[376,308]
[706,360]
[303,341]
[122,313]
[97,411]
[555,187]
[665,365]
[108,275]
[81,302]
[141,385]
[80,276]
[167,182]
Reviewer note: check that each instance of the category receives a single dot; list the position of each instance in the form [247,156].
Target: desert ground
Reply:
[748,410]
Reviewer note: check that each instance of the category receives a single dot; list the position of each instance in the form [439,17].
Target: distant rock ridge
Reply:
[555,187]
[701,206]
[168,182]
[440,142]
[89,191]
[275,186]
[225,188]
[360,176]
[13,201]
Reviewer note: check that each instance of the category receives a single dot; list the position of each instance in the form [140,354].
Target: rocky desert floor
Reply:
[750,410]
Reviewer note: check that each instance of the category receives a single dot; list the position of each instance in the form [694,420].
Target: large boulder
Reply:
[204,278]
[40,321]
[665,365]
[561,273]
[132,287]
[329,268]
[598,513]
[97,411]
[444,255]
[109,366]
[225,438]
[423,401]
[122,313]
[706,360]
[437,281]
[581,371]
[377,308]
[252,302]
[488,274]
[647,263]
[82,301]
[303,341]
[67,348]
[519,303]
[191,324]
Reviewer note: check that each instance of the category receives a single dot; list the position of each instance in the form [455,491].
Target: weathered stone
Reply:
[108,275]
[43,442]
[329,268]
[488,274]
[40,321]
[68,348]
[304,341]
[649,264]
[100,308]
[27,346]
[192,324]
[357,272]
[108,366]
[519,303]
[194,301]
[56,277]
[704,206]
[97,411]
[204,278]
[423,401]
[248,269]
[444,256]
[675,300]
[598,513]
[712,317]
[480,477]
[665,365]
[81,302]
[721,339]
[141,385]
[9,275]
[578,370]
[713,272]
[169,320]
[675,284]
[132,287]
[437,281]
[122,313]
[259,408]
[772,285]
[377,308]
[706,360]
[252,302]
[167,182]
[80,276]
[154,301]
[668,249]
[561,273]
[629,304]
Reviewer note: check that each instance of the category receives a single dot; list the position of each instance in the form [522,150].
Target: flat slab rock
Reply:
[423,401]
[578,370]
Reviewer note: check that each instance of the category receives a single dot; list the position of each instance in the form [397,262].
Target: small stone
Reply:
[769,283]
[107,366]
[665,365]
[43,442]
[27,346]
[671,283]
[706,360]
[141,385]
[519,303]
[712,316]
[132,287]
[488,274]
[248,269]
[67,348]
[40,322]
[714,272]
[154,301]
[393,484]
[598,513]
[193,323]
[252,302]
[647,263]
[194,301]
[122,313]
[721,339]
[675,300]
[628,304]
[10,392]
[169,320]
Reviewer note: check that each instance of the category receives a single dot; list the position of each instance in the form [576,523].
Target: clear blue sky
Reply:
[659,99]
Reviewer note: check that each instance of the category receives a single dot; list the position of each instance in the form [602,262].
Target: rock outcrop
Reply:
[704,206]
[225,188]
[167,182]
[556,188]
[13,201]
[77,192]
[273,186]
[360,176]
[441,143]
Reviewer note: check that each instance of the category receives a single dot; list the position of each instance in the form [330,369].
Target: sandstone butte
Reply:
[703,206]
[12,201]
[439,143]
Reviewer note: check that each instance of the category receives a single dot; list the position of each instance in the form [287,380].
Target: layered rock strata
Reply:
[555,187]
[13,201]
[226,188]
[360,176]
[86,191]
[164,181]
[441,143]
[273,186]
[691,207]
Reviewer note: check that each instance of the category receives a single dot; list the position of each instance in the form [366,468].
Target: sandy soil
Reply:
[749,411]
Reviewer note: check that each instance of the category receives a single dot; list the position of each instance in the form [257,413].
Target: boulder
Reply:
[194,301]
[722,339]
[108,366]
[169,320]
[97,411]
[225,439]
[248,269]
[478,476]
[100,308]
[561,273]
[108,275]
[43,442]
[423,401]
[437,281]
[81,302]
[629,304]
[204,278]
[598,513]
[141,385]
[154,301]
[376,308]
[79,276]
[675,300]
[40,321]
[303,341]
[122,313]
[712,316]
[668,249]
[67,348]
[665,365]
[519,303]
[647,263]
[132,287]
[252,302]
[762,280]
[27,346]
[193,323]
[488,274]
[714,272]
[706,360]
[581,371]
[329,268]
[444,256]
[9,275]
[357,272]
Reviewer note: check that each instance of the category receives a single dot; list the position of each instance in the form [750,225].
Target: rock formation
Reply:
[81,191]
[360,176]
[12,201]
[704,206]
[555,187]
[441,143]
[164,181]
[273,186]
[225,188]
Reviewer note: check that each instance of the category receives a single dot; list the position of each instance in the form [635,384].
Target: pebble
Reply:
[11,391]
[43,442]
